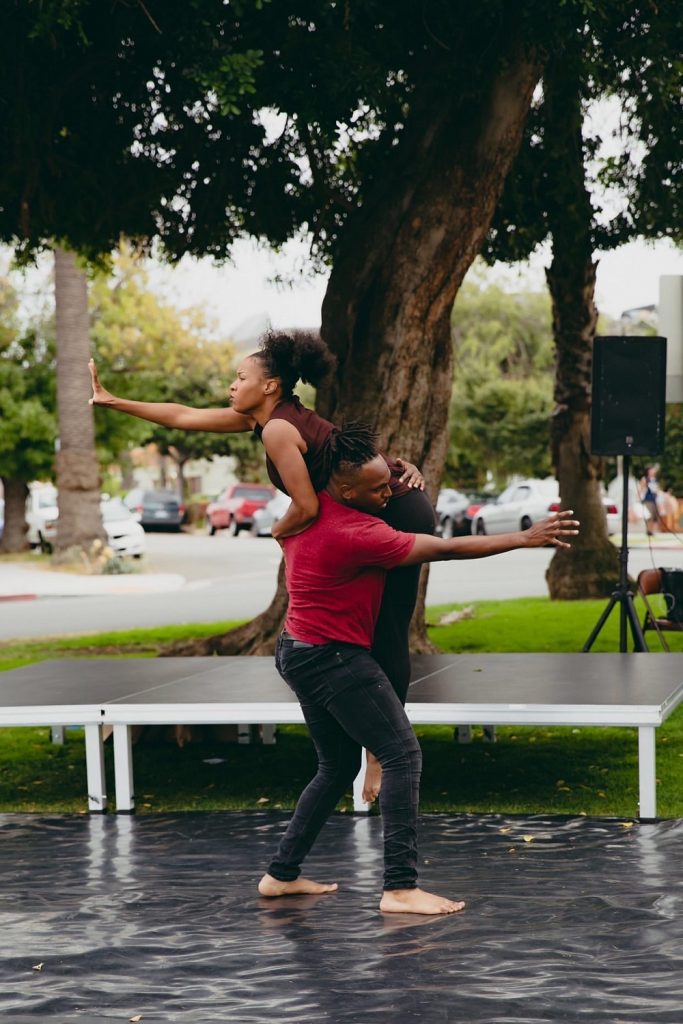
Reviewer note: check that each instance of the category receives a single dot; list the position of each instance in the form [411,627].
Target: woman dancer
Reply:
[294,438]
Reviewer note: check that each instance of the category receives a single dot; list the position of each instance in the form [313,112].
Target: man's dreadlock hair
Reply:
[349,448]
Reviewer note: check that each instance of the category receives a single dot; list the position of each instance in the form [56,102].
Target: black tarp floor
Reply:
[567,920]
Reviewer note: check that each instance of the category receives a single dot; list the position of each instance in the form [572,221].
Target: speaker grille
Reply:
[628,401]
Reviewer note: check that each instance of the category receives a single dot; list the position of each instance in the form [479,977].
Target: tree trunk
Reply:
[387,309]
[591,567]
[14,531]
[400,261]
[78,475]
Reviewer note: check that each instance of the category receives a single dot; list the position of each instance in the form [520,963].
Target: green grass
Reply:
[137,643]
[529,770]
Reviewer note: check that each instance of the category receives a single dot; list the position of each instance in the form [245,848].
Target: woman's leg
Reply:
[412,513]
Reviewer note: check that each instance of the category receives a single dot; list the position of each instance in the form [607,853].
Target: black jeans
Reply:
[348,703]
[412,513]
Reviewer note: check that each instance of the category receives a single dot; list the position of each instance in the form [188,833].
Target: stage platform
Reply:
[158,916]
[459,689]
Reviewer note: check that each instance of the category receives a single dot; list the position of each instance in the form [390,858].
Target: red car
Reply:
[234,509]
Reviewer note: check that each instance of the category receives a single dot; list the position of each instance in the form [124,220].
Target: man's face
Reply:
[368,488]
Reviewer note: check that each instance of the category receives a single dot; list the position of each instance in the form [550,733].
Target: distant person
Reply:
[336,572]
[648,490]
[294,437]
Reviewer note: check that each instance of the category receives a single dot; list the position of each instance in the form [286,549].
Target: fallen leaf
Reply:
[450,617]
[37,967]
[263,800]
[601,794]
[136,1018]
[504,830]
[512,850]
[528,839]
[625,824]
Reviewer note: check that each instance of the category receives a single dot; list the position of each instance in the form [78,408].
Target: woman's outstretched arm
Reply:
[170,414]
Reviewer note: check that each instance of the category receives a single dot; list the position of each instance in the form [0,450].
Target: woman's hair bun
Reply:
[301,355]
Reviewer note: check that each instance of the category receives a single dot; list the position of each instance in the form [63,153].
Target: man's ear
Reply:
[346,491]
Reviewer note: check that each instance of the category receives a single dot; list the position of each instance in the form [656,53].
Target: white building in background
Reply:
[670,326]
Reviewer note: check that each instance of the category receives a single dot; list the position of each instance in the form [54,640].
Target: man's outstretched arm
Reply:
[557,530]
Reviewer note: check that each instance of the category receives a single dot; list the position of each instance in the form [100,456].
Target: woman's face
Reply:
[251,386]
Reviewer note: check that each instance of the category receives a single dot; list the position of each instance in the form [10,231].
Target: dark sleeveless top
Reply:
[315,432]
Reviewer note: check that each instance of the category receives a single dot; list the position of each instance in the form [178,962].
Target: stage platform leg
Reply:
[647,773]
[123,767]
[94,761]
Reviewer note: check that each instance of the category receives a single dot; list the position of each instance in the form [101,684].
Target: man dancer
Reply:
[335,575]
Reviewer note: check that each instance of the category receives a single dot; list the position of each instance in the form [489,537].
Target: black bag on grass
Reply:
[672,588]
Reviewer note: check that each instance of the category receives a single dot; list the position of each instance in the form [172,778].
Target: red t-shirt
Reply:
[335,573]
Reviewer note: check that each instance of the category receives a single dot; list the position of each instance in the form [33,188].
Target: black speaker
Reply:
[629,389]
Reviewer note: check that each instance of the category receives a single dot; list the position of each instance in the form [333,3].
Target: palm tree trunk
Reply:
[78,475]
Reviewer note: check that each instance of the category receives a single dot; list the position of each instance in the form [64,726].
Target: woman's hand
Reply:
[411,475]
[100,396]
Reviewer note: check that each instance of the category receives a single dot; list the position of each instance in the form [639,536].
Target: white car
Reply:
[528,502]
[125,536]
[41,515]
[263,518]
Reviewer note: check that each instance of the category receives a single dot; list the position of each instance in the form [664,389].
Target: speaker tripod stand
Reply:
[622,596]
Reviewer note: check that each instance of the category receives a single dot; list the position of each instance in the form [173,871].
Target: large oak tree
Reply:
[385,131]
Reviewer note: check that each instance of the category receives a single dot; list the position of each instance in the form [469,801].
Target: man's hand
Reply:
[100,396]
[411,475]
[554,530]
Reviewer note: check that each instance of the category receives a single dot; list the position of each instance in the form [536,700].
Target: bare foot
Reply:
[269,886]
[372,782]
[417,901]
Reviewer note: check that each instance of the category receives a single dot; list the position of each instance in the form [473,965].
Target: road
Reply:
[234,578]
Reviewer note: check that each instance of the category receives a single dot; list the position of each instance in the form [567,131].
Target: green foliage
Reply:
[502,392]
[632,58]
[671,461]
[27,394]
[158,127]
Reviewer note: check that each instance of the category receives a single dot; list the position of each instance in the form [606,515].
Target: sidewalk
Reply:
[18,583]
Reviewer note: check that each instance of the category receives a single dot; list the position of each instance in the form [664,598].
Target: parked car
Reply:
[264,518]
[455,510]
[528,502]
[125,536]
[234,509]
[41,515]
[155,509]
